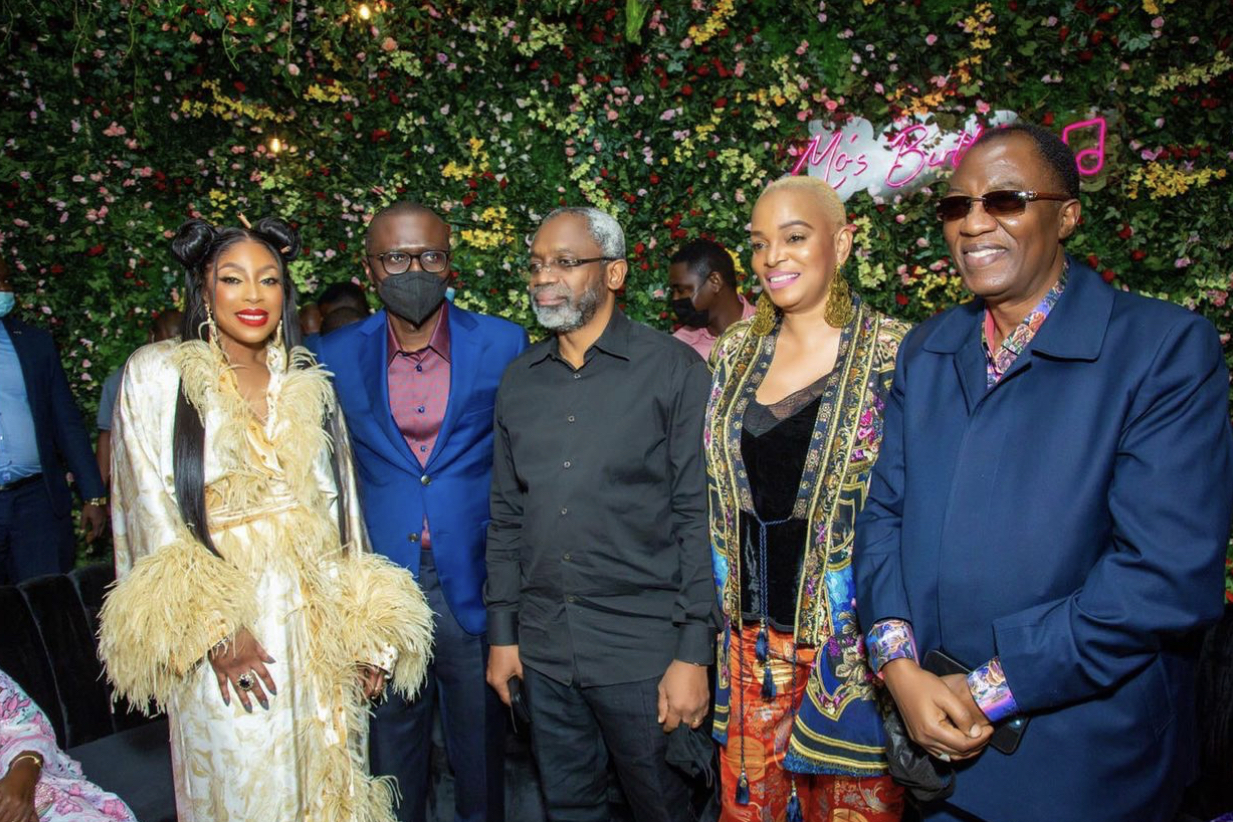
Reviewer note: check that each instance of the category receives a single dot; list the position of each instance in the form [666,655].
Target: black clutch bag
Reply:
[925,778]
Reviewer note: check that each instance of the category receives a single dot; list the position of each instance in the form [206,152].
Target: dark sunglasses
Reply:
[996,203]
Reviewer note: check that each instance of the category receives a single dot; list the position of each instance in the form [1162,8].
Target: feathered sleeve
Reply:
[386,621]
[173,598]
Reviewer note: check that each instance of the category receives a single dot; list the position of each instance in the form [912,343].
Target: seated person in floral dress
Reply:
[41,782]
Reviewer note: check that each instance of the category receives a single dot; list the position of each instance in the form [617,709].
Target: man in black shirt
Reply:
[599,571]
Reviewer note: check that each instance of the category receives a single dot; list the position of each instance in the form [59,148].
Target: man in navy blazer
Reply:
[417,382]
[41,438]
[1050,509]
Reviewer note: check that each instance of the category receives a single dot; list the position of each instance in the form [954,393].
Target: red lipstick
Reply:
[256,317]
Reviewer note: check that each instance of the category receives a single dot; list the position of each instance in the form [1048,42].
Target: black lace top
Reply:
[774,443]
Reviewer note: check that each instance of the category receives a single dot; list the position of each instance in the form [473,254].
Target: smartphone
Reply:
[518,702]
[1006,734]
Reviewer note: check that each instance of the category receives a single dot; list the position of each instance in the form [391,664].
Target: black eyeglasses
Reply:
[566,264]
[996,203]
[399,262]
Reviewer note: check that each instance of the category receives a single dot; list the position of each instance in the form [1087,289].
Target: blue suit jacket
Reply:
[452,489]
[63,442]
[1071,520]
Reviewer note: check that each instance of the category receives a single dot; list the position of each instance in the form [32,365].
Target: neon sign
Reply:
[903,158]
[1097,154]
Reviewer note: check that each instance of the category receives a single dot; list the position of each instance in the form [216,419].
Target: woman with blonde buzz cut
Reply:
[793,429]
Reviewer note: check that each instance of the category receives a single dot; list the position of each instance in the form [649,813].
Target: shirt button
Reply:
[420,409]
[423,448]
[564,511]
[571,418]
[425,480]
[568,463]
[571,598]
[577,376]
[567,557]
[413,537]
[419,368]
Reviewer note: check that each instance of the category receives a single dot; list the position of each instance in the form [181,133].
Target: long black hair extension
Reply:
[197,246]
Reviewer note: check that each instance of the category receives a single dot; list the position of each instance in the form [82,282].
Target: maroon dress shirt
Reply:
[419,383]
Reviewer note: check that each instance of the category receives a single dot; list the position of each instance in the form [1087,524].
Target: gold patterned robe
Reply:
[316,607]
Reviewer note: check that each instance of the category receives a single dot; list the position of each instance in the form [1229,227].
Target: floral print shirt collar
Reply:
[999,362]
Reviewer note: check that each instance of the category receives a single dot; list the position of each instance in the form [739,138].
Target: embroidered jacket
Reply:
[839,728]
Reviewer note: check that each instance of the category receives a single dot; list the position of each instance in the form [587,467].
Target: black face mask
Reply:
[413,295]
[689,315]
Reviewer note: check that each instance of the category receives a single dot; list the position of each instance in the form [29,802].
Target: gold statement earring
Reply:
[764,316]
[211,326]
[839,307]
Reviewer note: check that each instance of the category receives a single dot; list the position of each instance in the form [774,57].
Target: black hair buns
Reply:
[284,238]
[192,243]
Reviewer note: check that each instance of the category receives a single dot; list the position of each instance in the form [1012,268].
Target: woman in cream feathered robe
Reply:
[317,607]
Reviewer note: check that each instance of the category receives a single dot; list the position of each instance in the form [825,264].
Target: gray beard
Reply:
[571,314]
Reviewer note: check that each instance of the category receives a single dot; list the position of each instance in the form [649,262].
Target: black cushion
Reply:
[135,765]
[24,658]
[70,644]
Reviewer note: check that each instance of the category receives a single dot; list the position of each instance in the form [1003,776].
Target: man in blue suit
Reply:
[41,437]
[1050,509]
[417,381]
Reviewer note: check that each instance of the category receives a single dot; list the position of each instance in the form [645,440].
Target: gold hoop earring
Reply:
[839,307]
[764,316]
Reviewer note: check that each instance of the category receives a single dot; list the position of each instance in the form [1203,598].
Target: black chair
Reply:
[48,647]
[65,631]
[135,765]
[24,657]
[91,583]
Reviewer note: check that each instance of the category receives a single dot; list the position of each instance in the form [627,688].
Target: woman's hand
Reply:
[17,791]
[372,680]
[936,718]
[243,656]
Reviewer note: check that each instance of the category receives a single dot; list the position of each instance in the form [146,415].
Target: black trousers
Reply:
[33,540]
[574,733]
[472,718]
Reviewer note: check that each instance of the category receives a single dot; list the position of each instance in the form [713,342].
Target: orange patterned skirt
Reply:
[765,726]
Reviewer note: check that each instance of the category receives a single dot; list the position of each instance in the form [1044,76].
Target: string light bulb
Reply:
[276,145]
[364,12]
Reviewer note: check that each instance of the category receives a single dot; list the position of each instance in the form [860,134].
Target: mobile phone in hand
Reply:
[1008,732]
[518,701]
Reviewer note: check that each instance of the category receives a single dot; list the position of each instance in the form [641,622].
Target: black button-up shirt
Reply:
[599,563]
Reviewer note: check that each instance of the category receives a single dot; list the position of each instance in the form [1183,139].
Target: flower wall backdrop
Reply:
[122,118]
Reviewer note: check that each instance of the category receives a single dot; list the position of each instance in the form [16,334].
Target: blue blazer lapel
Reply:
[958,334]
[1077,325]
[374,366]
[466,349]
[972,367]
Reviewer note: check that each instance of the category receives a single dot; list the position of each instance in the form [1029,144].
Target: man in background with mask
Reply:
[702,287]
[417,381]
[41,438]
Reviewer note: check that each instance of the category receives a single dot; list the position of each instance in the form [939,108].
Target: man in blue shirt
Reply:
[41,437]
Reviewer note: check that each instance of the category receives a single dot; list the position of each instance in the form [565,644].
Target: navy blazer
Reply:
[452,489]
[63,442]
[1071,520]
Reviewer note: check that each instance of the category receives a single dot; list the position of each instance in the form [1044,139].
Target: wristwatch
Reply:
[101,502]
